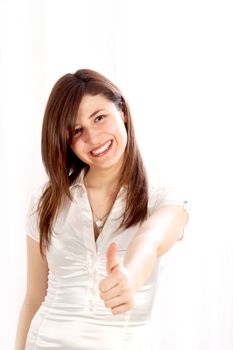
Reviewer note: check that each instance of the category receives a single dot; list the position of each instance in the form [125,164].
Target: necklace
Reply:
[99,222]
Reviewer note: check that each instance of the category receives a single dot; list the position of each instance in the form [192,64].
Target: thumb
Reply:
[112,259]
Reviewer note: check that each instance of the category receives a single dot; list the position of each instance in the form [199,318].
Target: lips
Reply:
[102,149]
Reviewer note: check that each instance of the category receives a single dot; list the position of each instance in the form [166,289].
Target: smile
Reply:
[97,152]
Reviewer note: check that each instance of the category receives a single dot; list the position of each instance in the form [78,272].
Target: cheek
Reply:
[77,147]
[120,131]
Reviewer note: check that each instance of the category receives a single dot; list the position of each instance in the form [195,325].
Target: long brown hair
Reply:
[63,166]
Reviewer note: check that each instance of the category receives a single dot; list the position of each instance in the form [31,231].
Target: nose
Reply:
[91,136]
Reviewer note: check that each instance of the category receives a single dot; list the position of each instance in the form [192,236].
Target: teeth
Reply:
[102,149]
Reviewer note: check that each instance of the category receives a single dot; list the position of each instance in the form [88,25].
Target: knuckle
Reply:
[131,305]
[114,312]
[104,296]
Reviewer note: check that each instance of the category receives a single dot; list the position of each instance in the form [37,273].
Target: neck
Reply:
[102,179]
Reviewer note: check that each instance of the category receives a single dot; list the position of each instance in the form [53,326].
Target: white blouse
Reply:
[73,316]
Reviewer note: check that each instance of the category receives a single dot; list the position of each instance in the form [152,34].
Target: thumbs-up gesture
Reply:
[116,289]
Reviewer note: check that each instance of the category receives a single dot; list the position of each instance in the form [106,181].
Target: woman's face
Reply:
[100,136]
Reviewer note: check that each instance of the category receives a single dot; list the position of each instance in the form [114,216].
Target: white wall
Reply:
[174,62]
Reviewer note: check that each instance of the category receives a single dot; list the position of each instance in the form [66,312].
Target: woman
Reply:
[96,229]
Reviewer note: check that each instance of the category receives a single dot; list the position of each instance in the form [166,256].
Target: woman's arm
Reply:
[154,238]
[37,277]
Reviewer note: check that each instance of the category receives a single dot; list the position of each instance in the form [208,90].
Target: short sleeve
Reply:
[31,219]
[166,194]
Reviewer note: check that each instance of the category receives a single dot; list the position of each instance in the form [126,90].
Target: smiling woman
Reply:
[96,229]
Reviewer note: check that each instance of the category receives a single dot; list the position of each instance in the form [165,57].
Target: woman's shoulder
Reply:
[164,191]
[31,217]
[36,194]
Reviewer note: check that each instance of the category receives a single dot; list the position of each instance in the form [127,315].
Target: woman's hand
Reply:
[117,289]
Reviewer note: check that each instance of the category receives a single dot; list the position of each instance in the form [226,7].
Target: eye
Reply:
[77,131]
[100,117]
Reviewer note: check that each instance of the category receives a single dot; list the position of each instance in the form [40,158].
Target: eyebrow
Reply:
[92,115]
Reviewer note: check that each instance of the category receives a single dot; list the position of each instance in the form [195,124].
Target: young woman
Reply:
[96,229]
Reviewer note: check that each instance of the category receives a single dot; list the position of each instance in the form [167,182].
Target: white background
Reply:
[173,60]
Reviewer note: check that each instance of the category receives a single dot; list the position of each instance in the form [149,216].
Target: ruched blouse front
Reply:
[73,316]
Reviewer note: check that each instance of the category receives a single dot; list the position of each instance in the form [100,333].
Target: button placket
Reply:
[94,278]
